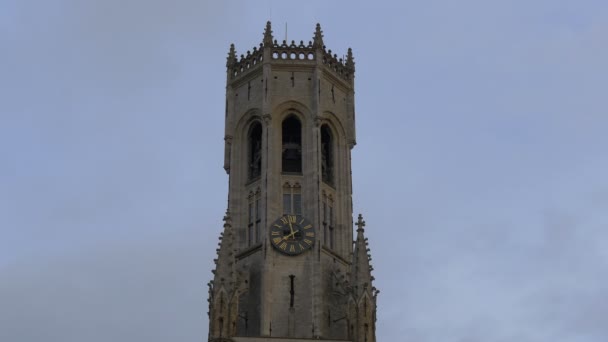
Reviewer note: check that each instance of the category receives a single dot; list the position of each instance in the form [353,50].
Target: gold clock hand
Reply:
[290,235]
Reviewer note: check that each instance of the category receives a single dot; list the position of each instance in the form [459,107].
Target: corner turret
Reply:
[363,306]
[231,59]
[318,38]
[268,35]
[224,288]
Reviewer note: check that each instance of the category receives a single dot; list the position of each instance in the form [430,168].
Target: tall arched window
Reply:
[292,145]
[254,151]
[327,155]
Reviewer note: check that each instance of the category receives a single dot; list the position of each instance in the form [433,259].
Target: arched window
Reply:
[254,151]
[327,155]
[292,145]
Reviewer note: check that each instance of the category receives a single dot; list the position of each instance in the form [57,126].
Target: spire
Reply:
[361,273]
[231,56]
[318,38]
[224,288]
[350,60]
[268,34]
[364,294]
[225,262]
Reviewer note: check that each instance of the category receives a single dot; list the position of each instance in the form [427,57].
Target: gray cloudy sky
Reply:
[480,166]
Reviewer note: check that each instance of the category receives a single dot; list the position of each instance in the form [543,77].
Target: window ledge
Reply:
[291,173]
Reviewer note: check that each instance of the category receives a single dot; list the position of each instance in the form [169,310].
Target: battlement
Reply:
[290,54]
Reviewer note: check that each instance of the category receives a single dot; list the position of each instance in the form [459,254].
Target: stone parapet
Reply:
[289,53]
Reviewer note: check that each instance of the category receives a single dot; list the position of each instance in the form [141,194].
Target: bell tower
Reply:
[287,266]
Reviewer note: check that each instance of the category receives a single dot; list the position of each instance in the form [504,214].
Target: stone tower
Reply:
[287,266]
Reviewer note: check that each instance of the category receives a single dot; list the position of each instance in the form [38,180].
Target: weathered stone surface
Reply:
[325,292]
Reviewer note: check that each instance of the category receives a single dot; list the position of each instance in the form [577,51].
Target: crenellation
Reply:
[337,65]
[246,63]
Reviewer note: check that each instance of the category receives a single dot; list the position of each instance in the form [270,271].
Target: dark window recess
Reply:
[328,221]
[255,151]
[325,225]
[327,157]
[291,291]
[292,145]
[331,227]
[250,226]
[255,218]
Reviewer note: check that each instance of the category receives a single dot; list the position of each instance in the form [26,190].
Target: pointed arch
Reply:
[335,124]
[291,138]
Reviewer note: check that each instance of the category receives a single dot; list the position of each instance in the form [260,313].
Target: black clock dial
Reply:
[292,234]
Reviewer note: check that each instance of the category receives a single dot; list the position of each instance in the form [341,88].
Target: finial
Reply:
[350,60]
[268,35]
[318,38]
[231,56]
[360,224]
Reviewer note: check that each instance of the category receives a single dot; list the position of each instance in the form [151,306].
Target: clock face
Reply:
[292,234]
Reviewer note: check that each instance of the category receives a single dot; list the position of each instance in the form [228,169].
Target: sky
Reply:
[480,165]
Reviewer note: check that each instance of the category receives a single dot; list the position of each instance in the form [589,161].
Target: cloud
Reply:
[130,290]
[480,165]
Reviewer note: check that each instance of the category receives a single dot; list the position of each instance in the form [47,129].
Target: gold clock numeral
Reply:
[308,226]
[275,233]
[301,247]
[284,220]
[283,246]
[292,218]
[277,240]
[302,221]
[309,242]
[310,234]
[276,225]
[292,248]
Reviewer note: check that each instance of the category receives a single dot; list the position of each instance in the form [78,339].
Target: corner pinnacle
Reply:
[360,224]
[350,60]
[231,56]
[318,38]
[268,34]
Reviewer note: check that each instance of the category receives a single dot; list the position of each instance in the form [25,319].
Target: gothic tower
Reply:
[287,265]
